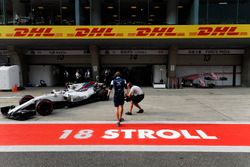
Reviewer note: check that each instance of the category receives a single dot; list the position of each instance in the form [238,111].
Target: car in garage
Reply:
[203,80]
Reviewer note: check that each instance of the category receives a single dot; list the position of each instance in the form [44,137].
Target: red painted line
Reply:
[127,134]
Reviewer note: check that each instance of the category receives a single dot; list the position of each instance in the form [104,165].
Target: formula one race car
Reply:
[75,94]
[204,80]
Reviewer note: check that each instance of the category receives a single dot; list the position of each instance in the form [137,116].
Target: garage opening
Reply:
[139,75]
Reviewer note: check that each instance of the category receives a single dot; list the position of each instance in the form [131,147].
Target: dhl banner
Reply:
[125,32]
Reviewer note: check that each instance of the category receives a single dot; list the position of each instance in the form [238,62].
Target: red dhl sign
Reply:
[30,32]
[227,30]
[124,32]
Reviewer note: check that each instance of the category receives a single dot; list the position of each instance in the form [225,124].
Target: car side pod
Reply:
[5,110]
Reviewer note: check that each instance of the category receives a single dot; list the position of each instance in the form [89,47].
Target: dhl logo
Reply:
[30,32]
[157,31]
[207,31]
[91,32]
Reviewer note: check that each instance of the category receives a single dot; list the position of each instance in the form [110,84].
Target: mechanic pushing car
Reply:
[135,96]
[119,85]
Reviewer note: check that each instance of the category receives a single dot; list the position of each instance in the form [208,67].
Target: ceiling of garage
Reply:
[127,43]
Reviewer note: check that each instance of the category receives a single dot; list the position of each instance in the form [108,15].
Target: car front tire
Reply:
[44,107]
[25,98]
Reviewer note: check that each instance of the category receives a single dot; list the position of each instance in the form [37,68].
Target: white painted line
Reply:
[10,97]
[123,148]
[126,122]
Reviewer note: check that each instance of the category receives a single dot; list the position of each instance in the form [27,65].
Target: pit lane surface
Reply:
[191,105]
[118,159]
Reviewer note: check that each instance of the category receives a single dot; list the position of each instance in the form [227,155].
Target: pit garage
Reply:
[136,65]
[50,65]
[221,67]
[140,66]
[144,62]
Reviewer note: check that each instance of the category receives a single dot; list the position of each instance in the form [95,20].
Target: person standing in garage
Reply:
[66,78]
[87,76]
[119,85]
[107,77]
[78,76]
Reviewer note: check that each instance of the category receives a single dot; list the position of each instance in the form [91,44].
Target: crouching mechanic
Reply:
[119,85]
[135,96]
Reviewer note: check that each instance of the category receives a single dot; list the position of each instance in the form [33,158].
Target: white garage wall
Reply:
[47,73]
[159,73]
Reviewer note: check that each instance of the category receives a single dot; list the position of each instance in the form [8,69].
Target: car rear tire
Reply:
[103,94]
[44,107]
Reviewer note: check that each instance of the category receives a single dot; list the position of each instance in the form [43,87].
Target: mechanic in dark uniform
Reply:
[66,78]
[119,85]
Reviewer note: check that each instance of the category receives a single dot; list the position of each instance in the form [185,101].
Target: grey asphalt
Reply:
[188,104]
[123,159]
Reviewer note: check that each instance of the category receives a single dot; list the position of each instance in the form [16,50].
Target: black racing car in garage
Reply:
[75,94]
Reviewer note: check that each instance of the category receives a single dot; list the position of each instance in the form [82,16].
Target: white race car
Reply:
[75,94]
